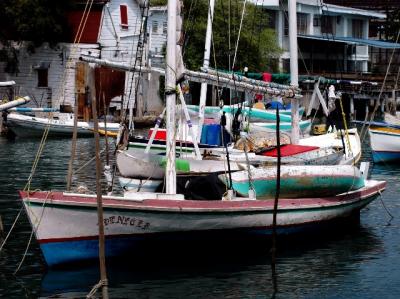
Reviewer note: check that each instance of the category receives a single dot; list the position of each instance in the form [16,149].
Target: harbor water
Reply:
[358,261]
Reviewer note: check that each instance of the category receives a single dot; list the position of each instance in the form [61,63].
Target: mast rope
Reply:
[238,37]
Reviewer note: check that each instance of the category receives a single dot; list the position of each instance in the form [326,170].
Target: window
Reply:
[302,26]
[271,20]
[154,27]
[302,23]
[328,25]
[123,9]
[42,77]
[165,28]
[285,26]
[317,21]
[357,28]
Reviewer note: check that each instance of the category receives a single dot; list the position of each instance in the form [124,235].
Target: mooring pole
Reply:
[1,231]
[73,146]
[278,188]
[105,130]
[102,259]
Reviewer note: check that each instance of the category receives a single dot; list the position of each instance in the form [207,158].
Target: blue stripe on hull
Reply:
[71,251]
[385,156]
[56,253]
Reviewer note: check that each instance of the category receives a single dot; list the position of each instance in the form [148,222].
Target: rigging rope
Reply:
[238,37]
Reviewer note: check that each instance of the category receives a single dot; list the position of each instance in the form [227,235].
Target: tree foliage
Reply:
[257,48]
[37,21]
[392,27]
[31,21]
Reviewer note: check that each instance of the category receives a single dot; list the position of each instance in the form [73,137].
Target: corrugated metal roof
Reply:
[355,41]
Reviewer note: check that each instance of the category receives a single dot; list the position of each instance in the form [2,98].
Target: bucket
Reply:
[214,134]
[203,137]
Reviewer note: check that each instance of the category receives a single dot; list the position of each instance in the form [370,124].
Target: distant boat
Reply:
[31,126]
[254,114]
[304,125]
[385,139]
[297,181]
[385,143]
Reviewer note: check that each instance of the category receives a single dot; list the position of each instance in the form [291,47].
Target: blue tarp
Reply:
[354,41]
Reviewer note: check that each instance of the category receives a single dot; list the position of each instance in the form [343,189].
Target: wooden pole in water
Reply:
[105,129]
[278,188]
[73,146]
[102,259]
[1,231]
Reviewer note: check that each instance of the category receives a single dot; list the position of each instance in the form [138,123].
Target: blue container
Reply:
[214,134]
[203,138]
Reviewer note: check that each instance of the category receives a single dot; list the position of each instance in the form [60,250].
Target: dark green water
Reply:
[357,262]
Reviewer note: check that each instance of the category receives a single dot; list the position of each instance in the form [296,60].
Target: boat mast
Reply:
[206,63]
[294,72]
[170,95]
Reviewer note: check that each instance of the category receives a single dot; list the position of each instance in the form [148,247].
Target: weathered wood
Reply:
[73,146]
[100,218]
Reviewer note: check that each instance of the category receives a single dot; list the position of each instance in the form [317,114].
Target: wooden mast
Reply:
[294,73]
[170,94]
[206,63]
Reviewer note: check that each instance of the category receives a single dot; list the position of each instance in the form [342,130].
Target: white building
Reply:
[157,28]
[53,76]
[331,38]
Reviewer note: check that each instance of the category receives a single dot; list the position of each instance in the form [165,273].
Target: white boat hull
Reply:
[66,224]
[133,163]
[30,126]
[352,147]
[385,144]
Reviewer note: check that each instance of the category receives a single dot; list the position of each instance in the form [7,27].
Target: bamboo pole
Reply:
[73,146]
[100,219]
[218,79]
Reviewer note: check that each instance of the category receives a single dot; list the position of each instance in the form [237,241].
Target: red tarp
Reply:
[289,150]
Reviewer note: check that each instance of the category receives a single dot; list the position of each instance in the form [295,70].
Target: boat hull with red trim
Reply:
[67,231]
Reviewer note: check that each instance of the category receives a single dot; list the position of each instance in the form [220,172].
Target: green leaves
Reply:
[33,20]
[257,48]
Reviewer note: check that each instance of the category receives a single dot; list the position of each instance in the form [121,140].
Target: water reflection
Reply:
[239,271]
[358,263]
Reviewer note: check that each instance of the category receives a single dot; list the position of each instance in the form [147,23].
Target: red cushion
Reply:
[289,150]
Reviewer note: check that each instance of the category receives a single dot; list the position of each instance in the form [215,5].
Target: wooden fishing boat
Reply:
[304,125]
[297,181]
[66,227]
[349,142]
[385,143]
[254,114]
[291,155]
[136,164]
[31,126]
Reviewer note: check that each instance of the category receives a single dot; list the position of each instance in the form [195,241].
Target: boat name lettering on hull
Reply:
[123,220]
